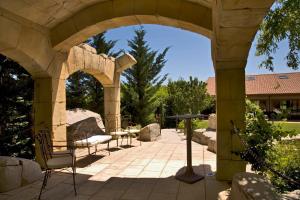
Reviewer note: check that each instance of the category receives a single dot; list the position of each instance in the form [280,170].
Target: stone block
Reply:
[42,90]
[37,45]
[150,132]
[87,48]
[17,172]
[169,8]
[251,186]
[58,113]
[196,14]
[125,61]
[59,134]
[10,37]
[212,121]
[58,90]
[31,171]
[91,15]
[242,18]
[10,174]
[244,4]
[123,8]
[146,7]
[226,169]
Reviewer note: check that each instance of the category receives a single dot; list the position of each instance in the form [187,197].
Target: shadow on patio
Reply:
[91,187]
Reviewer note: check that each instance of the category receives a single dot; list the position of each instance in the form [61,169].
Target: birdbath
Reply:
[188,176]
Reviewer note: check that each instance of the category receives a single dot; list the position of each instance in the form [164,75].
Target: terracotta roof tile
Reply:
[284,83]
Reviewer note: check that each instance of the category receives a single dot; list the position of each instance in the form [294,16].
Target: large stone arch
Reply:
[89,21]
[26,43]
[230,24]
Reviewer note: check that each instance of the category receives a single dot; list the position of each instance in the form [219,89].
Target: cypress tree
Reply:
[142,80]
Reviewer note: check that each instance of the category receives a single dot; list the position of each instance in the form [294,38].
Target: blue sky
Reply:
[190,53]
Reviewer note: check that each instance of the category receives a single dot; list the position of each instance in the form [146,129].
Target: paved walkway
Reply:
[138,172]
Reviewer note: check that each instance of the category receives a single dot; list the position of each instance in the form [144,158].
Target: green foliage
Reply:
[261,138]
[102,45]
[196,124]
[84,90]
[281,23]
[16,88]
[285,158]
[188,96]
[142,80]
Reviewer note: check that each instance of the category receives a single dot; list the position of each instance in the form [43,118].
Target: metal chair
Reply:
[54,160]
[114,130]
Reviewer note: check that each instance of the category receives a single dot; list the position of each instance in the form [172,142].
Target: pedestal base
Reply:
[188,176]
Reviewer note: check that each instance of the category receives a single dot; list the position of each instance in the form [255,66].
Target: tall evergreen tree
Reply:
[16,87]
[84,90]
[143,79]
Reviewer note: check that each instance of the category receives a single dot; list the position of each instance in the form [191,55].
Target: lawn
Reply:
[289,126]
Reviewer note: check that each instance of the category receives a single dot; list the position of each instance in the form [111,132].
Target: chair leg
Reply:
[74,184]
[46,176]
[117,141]
[95,149]
[108,148]
[89,150]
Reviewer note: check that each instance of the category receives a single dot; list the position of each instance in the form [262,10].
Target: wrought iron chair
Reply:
[54,160]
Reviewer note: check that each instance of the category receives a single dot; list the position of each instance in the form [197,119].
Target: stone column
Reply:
[50,106]
[112,104]
[230,90]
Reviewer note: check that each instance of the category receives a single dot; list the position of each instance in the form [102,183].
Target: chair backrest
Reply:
[45,144]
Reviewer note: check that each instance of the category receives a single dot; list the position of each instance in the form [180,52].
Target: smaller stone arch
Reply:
[50,93]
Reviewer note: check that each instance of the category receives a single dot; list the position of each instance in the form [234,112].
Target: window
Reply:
[283,105]
[283,77]
[250,78]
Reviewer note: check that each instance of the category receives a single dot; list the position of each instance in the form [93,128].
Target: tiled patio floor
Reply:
[139,172]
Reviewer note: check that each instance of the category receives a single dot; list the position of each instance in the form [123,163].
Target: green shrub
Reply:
[263,139]
[285,158]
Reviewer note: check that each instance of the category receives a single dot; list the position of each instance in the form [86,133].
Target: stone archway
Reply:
[231,26]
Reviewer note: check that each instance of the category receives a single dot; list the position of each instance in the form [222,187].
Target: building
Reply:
[273,92]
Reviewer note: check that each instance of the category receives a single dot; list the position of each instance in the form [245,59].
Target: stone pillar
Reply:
[112,105]
[42,106]
[230,90]
[50,106]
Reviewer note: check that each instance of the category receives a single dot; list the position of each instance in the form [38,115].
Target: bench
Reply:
[88,140]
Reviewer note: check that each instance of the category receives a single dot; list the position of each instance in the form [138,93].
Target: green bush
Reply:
[263,139]
[285,158]
[196,124]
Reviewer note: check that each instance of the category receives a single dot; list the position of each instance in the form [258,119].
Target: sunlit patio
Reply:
[143,171]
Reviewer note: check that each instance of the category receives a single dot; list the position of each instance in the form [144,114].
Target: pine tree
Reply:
[142,80]
[16,86]
[84,90]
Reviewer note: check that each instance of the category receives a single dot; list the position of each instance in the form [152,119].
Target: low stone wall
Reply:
[249,186]
[206,137]
[17,172]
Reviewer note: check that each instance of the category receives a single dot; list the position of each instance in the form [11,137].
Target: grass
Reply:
[197,124]
[289,126]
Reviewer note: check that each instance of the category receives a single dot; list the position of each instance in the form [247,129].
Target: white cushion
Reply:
[119,133]
[101,138]
[60,162]
[91,141]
